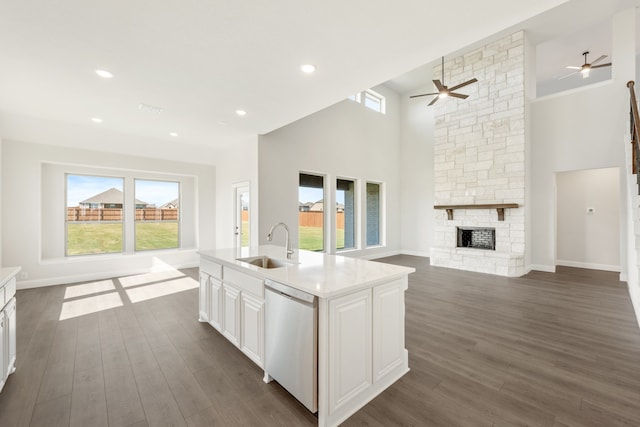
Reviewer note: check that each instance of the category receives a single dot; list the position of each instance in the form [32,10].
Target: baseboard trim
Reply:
[379,255]
[102,275]
[588,265]
[542,267]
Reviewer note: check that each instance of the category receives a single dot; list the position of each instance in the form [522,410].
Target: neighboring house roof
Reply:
[111,196]
[175,203]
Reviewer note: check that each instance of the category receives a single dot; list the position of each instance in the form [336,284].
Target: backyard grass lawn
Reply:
[98,238]
[94,238]
[156,235]
[310,238]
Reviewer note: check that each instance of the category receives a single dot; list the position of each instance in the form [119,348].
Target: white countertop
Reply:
[7,273]
[318,273]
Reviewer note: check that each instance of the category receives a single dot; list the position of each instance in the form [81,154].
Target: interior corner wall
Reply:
[346,140]
[580,130]
[235,165]
[416,173]
[23,201]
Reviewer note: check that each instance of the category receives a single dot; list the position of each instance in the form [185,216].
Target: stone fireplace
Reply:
[479,161]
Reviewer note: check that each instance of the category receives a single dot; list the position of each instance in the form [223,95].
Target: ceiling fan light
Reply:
[585,72]
[443,94]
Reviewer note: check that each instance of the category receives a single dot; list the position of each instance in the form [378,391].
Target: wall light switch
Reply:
[591,211]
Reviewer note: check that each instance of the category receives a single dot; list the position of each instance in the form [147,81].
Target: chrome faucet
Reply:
[287,242]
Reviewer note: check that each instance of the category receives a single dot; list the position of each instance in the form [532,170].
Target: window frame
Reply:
[356,215]
[371,94]
[381,214]
[135,221]
[66,215]
[324,233]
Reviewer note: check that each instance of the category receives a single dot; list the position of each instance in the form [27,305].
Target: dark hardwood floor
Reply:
[546,349]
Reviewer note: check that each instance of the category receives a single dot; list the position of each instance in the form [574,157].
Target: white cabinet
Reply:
[204,299]
[7,323]
[231,313]
[214,294]
[350,358]
[252,322]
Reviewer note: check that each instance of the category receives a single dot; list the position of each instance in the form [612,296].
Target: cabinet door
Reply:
[215,303]
[253,328]
[231,310]
[388,328]
[204,300]
[350,369]
[3,349]
[11,336]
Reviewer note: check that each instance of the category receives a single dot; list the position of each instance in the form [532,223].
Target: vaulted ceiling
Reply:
[200,61]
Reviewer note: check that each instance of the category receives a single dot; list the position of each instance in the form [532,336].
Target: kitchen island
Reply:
[360,316]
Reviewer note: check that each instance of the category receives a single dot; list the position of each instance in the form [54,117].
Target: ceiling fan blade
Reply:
[439,85]
[468,82]
[424,94]
[598,60]
[458,95]
[571,67]
[433,101]
[601,65]
[566,75]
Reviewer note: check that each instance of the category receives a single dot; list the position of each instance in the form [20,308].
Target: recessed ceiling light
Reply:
[241,112]
[96,120]
[173,133]
[308,68]
[104,74]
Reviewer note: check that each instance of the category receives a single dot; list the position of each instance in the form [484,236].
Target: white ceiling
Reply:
[202,60]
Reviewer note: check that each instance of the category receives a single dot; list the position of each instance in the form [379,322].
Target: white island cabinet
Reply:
[7,323]
[360,317]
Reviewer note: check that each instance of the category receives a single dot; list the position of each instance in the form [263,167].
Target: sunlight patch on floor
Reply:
[148,278]
[74,291]
[156,290]
[90,305]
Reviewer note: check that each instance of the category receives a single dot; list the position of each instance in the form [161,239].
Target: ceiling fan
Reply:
[586,67]
[444,91]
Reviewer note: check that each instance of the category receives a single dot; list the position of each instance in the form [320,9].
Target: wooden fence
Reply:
[315,219]
[115,214]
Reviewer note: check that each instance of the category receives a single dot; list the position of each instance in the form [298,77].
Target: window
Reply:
[345,214]
[311,212]
[374,101]
[373,214]
[94,214]
[356,97]
[157,215]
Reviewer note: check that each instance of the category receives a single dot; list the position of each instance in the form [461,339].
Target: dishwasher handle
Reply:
[290,292]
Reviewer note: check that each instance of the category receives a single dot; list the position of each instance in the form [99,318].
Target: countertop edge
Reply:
[7,273]
[260,273]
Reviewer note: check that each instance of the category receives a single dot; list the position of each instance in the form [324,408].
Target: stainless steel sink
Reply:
[265,262]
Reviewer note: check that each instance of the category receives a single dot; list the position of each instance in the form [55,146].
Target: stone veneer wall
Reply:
[479,156]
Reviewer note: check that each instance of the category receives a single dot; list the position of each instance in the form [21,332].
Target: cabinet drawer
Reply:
[244,282]
[211,268]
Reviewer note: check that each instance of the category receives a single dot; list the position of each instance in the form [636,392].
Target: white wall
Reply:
[589,239]
[345,140]
[233,166]
[416,173]
[579,130]
[23,195]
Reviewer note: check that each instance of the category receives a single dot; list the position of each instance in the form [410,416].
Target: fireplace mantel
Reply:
[499,207]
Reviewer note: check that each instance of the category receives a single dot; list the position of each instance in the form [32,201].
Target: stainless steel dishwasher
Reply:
[291,341]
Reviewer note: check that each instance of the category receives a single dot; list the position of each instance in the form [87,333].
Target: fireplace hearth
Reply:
[477,238]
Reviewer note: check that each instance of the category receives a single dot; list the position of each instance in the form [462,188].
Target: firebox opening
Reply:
[477,238]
